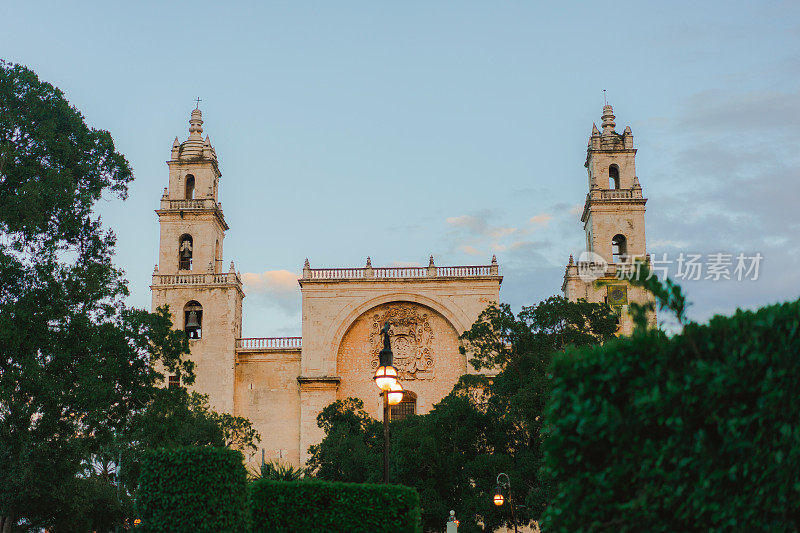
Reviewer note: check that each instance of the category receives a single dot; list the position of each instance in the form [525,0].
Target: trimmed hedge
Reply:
[699,432]
[291,506]
[192,490]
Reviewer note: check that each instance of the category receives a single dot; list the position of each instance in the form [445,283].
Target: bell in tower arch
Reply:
[185,252]
[192,325]
[193,316]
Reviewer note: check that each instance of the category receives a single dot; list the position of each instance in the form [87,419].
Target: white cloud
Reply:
[471,250]
[275,287]
[471,223]
[541,219]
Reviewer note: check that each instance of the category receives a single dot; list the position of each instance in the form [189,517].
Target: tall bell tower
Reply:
[204,298]
[613,220]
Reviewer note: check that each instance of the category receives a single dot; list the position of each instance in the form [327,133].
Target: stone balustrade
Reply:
[269,343]
[471,271]
[194,203]
[206,278]
[616,194]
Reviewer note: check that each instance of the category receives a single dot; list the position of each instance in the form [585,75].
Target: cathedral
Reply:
[282,383]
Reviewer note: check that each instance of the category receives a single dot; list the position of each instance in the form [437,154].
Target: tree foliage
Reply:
[193,490]
[77,367]
[697,432]
[453,454]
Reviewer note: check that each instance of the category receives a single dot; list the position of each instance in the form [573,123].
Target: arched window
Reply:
[613,177]
[185,246]
[189,187]
[217,257]
[619,248]
[193,319]
[406,407]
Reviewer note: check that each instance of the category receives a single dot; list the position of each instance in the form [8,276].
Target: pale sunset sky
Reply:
[398,130]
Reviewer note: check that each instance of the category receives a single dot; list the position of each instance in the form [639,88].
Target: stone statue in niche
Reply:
[411,339]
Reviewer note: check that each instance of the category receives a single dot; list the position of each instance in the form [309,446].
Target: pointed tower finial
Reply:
[608,120]
[571,260]
[430,262]
[196,125]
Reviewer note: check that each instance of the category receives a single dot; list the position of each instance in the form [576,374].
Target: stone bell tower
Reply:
[204,298]
[613,219]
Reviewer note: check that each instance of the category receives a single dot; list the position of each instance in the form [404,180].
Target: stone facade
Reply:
[281,384]
[613,220]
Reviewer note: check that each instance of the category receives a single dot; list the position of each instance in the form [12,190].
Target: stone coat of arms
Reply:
[411,337]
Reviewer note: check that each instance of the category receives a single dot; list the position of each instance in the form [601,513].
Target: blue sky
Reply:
[400,130]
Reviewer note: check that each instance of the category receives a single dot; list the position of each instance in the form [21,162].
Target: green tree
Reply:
[349,451]
[453,454]
[77,367]
[176,418]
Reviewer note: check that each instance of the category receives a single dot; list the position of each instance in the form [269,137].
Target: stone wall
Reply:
[425,347]
[267,393]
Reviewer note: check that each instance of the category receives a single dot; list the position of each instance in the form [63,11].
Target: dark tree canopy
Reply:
[77,367]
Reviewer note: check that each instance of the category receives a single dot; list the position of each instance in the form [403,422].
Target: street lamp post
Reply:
[499,499]
[391,391]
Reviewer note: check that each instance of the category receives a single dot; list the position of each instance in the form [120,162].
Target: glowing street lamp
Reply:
[385,376]
[498,496]
[395,393]
[386,379]
[499,499]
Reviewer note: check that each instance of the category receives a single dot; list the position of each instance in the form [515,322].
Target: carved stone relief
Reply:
[411,339]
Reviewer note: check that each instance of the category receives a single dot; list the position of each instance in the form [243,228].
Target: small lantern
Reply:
[498,497]
[395,394]
[385,377]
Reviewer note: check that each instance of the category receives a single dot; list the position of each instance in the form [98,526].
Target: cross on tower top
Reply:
[198,103]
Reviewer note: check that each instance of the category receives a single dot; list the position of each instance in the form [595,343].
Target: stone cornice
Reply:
[319,382]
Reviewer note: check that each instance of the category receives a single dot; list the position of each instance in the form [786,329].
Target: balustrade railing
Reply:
[400,272]
[616,194]
[471,271]
[206,278]
[194,203]
[269,343]
[337,273]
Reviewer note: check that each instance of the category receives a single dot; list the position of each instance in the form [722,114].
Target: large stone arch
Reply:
[425,343]
[457,318]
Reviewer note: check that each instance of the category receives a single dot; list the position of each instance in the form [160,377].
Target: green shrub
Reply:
[292,506]
[699,432]
[192,490]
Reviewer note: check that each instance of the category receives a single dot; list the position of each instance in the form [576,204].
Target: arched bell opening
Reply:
[189,187]
[185,247]
[619,248]
[613,177]
[193,319]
